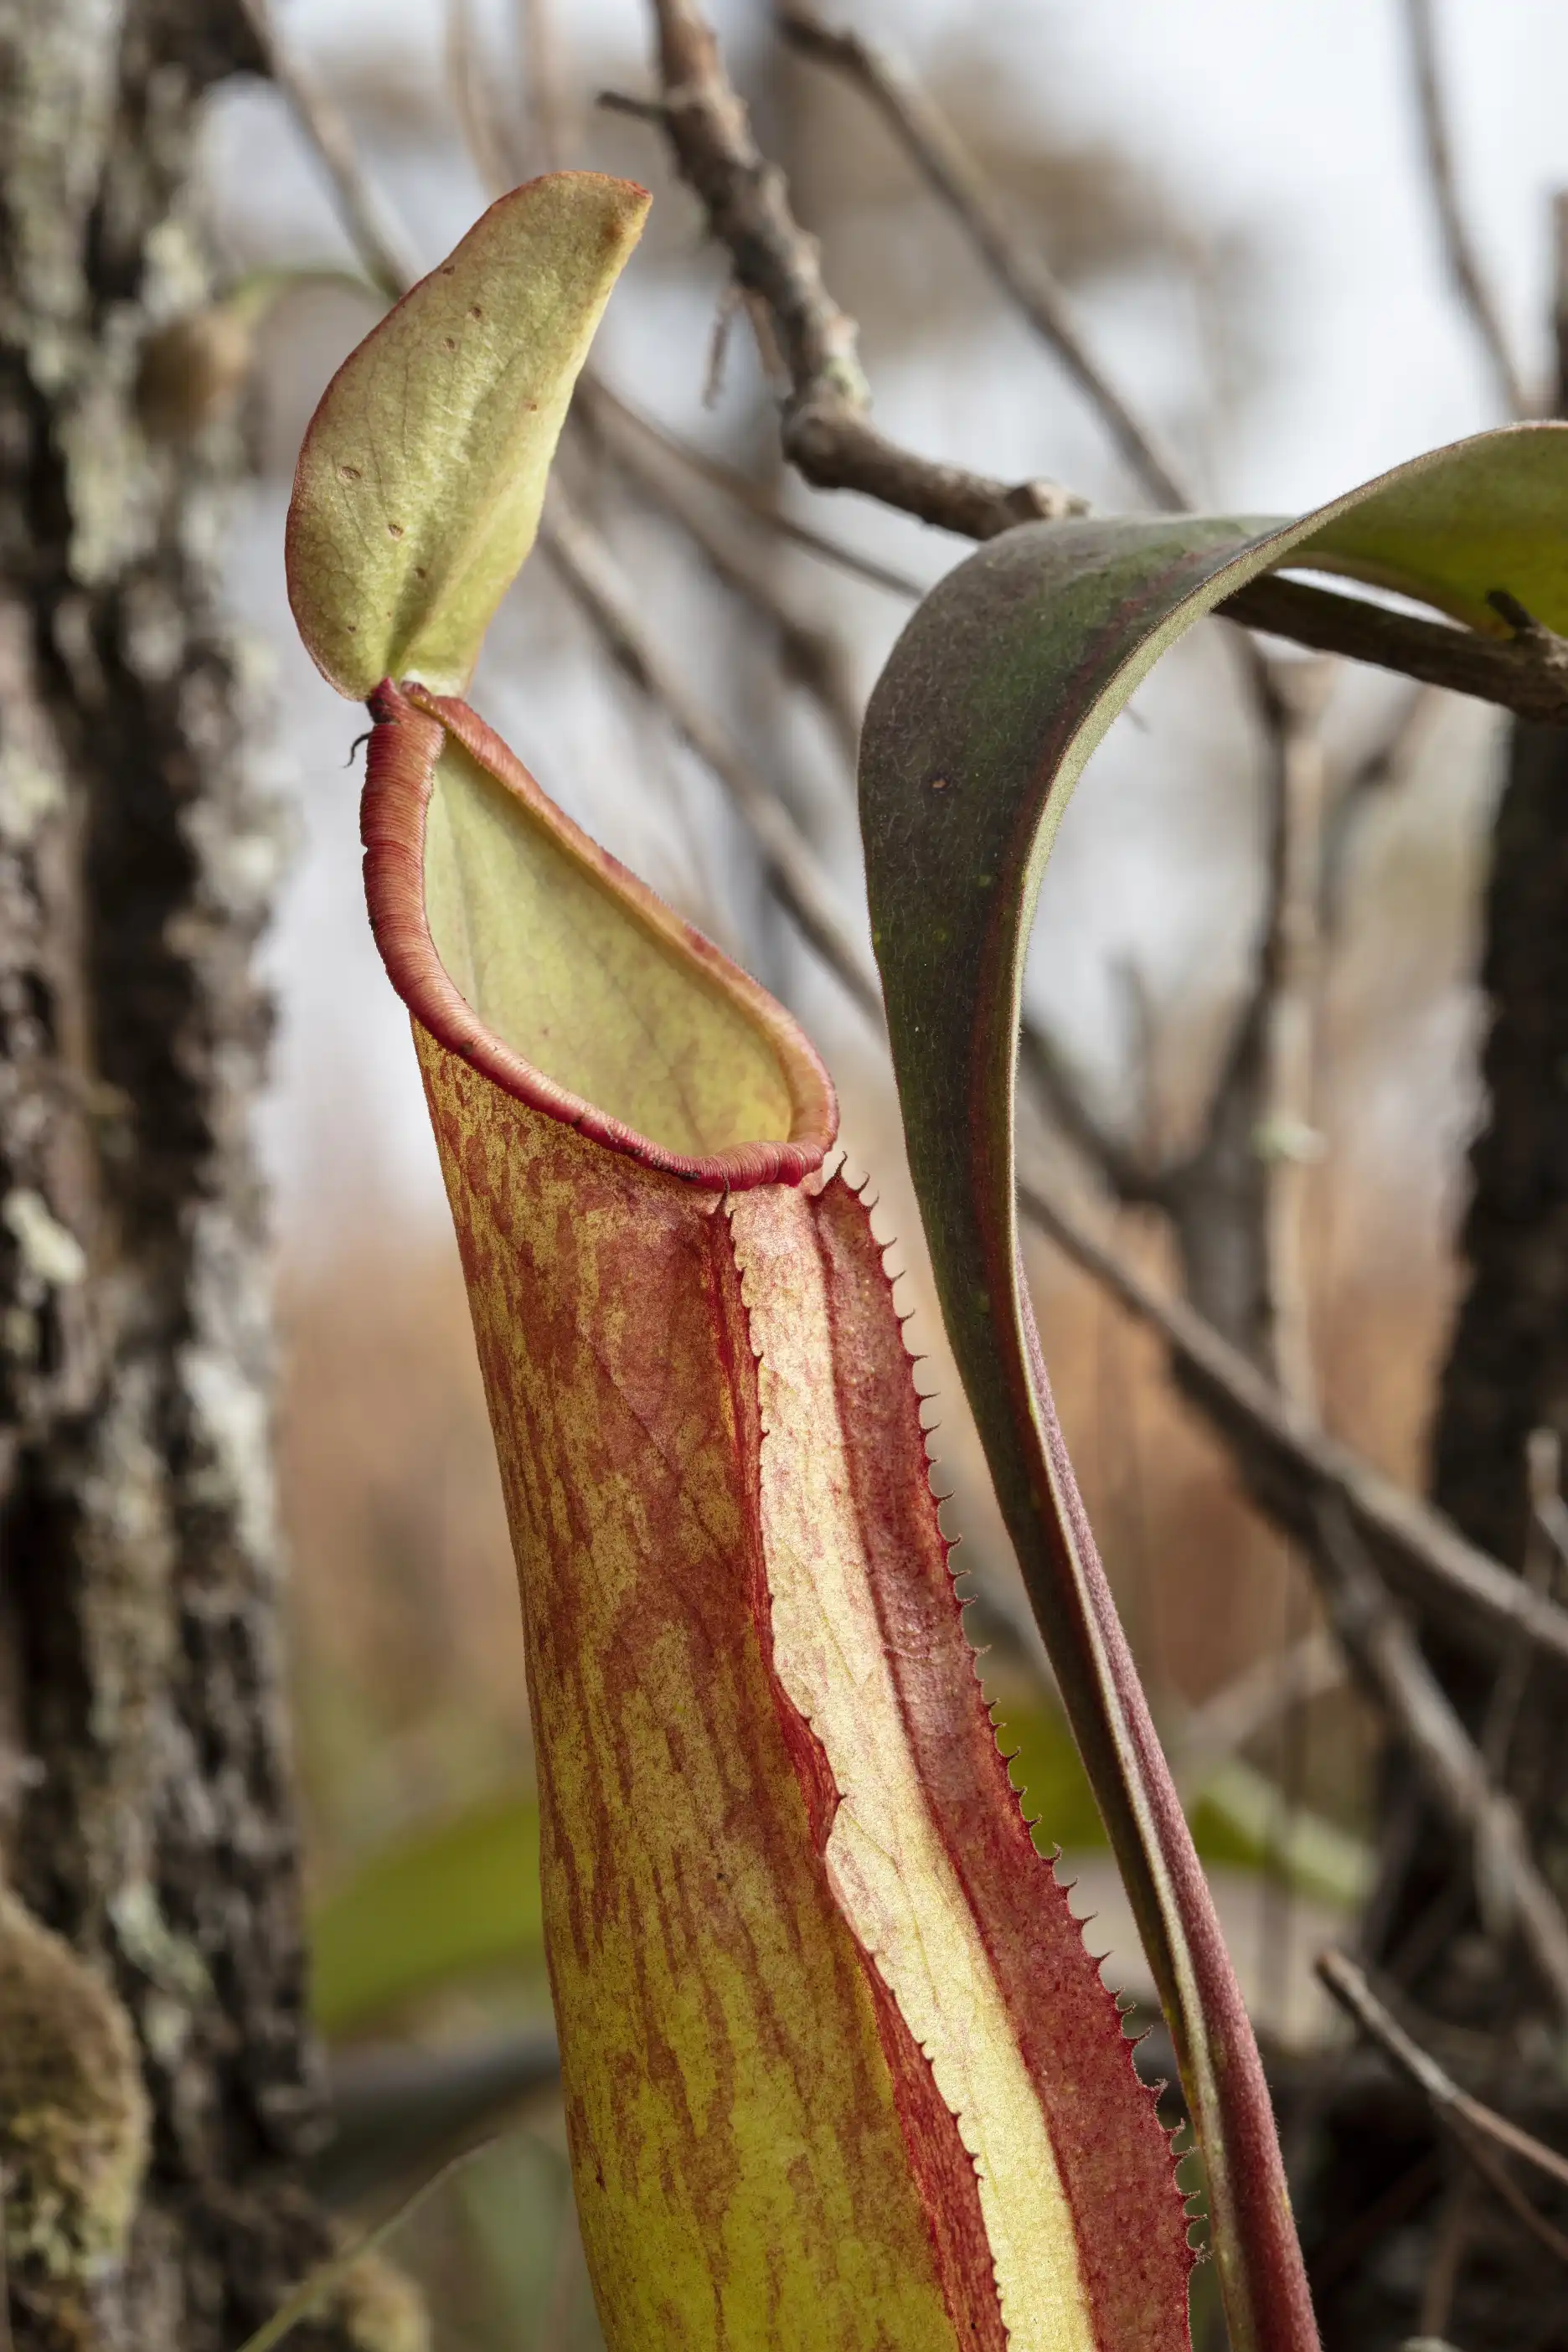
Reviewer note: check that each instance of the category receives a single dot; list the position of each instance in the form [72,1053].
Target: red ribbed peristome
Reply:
[411,728]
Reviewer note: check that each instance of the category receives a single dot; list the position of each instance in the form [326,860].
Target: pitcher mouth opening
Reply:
[706,1076]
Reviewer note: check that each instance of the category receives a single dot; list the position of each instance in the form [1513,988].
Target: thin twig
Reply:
[930,141]
[380,246]
[1345,1500]
[586,567]
[1525,674]
[626,422]
[1349,1987]
[1452,2236]
[812,656]
[547,93]
[827,436]
[825,427]
[1383,1646]
[473,98]
[1459,246]
[1291,976]
[1544,1460]
[1530,679]
[1289,1464]
[1255,1700]
[1497,2178]
[1379,767]
[318,2288]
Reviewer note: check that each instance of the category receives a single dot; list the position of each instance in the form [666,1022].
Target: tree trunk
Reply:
[1506,1376]
[156,2085]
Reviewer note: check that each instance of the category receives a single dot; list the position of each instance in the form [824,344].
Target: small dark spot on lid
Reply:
[475,312]
[348,473]
[395,530]
[449,342]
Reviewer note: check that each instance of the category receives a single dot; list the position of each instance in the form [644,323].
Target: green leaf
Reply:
[453,1902]
[990,706]
[421,479]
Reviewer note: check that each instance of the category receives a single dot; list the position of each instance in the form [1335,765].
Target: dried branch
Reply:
[1384,1648]
[941,157]
[544,64]
[811,657]
[473,98]
[1289,975]
[1288,1464]
[1527,673]
[624,422]
[379,246]
[1061,1096]
[1381,766]
[1544,1461]
[1459,246]
[825,428]
[397,2111]
[827,436]
[584,565]
[1254,1700]
[1351,1989]
[1468,2121]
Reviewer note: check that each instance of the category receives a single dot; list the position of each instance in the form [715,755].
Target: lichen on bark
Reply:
[147,1833]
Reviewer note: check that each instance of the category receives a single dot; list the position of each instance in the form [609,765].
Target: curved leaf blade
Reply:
[421,478]
[989,705]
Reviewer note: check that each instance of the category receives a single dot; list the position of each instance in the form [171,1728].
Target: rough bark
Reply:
[156,2087]
[1507,1372]
[1506,1375]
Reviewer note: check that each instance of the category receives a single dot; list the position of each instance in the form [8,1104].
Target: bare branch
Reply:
[812,656]
[1459,246]
[625,422]
[1527,673]
[826,427]
[379,246]
[1289,1464]
[1383,1646]
[548,100]
[1060,1096]
[940,156]
[1380,767]
[1289,973]
[1543,1457]
[826,434]
[1254,1700]
[1466,2119]
[473,98]
[397,2110]
[1530,677]
[587,570]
